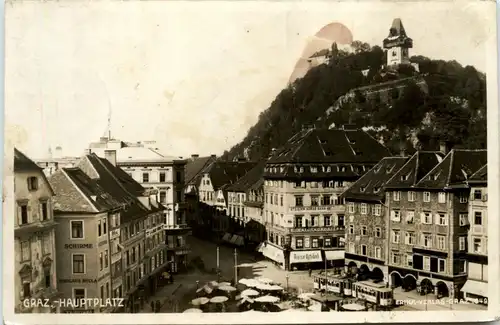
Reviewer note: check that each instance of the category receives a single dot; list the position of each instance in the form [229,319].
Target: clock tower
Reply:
[397,44]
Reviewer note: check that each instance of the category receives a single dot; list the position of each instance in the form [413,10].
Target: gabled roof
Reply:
[456,168]
[414,169]
[194,167]
[330,145]
[481,176]
[249,180]
[23,164]
[107,187]
[227,172]
[370,187]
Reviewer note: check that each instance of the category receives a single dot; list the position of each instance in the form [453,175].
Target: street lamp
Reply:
[218,266]
[286,277]
[235,266]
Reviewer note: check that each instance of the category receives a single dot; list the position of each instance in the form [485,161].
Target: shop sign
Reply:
[305,257]
[78,246]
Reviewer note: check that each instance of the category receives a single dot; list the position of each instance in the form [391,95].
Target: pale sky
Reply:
[192,76]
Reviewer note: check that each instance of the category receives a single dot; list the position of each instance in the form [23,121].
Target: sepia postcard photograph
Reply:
[225,162]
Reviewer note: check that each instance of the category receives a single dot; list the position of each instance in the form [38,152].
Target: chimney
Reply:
[443,147]
[213,156]
[194,156]
[110,155]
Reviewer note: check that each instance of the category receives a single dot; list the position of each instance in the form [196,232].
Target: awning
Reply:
[334,255]
[476,287]
[305,256]
[273,253]
[226,237]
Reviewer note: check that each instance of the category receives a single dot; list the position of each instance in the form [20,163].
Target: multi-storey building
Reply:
[244,209]
[35,250]
[105,215]
[366,235]
[163,176]
[214,182]
[303,214]
[476,287]
[194,210]
[427,226]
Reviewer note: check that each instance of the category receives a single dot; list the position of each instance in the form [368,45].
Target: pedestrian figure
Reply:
[152,306]
[310,272]
[158,306]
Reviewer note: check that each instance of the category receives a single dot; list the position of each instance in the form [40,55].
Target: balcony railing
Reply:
[318,208]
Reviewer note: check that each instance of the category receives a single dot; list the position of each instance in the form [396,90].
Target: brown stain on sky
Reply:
[323,39]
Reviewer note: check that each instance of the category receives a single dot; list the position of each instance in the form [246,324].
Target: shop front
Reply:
[303,260]
[335,258]
[273,253]
[475,291]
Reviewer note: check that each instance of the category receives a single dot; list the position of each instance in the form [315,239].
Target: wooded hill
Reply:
[453,108]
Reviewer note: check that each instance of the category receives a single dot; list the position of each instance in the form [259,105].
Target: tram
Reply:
[335,283]
[375,293]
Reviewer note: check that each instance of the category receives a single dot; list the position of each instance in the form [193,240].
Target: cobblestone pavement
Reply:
[176,297]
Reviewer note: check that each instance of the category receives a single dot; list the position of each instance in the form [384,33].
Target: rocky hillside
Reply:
[452,106]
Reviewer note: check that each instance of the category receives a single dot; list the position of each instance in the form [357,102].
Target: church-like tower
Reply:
[397,44]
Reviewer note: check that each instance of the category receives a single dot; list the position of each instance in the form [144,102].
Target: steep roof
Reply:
[370,187]
[23,164]
[398,27]
[455,169]
[107,187]
[480,176]
[249,180]
[414,169]
[227,172]
[194,167]
[330,145]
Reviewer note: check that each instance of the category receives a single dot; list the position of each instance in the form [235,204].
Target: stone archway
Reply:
[442,289]
[395,279]
[363,272]
[426,287]
[377,275]
[352,268]
[409,282]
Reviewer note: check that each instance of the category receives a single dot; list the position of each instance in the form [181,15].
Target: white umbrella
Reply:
[252,283]
[223,284]
[271,299]
[205,288]
[354,307]
[263,286]
[314,307]
[213,283]
[227,288]
[265,280]
[219,299]
[249,293]
[246,265]
[275,288]
[200,301]
[243,281]
[305,296]
[193,310]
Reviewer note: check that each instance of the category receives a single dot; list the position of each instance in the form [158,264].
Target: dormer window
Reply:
[282,169]
[342,169]
[435,176]
[295,169]
[376,189]
[328,153]
[328,169]
[314,169]
[322,141]
[362,189]
[301,169]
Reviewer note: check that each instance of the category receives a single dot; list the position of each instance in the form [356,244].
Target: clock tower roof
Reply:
[397,36]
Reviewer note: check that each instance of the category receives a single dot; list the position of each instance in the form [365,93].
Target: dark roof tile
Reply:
[414,169]
[23,163]
[251,179]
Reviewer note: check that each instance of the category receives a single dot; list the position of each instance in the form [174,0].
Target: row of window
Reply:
[426,196]
[26,216]
[479,246]
[304,184]
[377,231]
[162,177]
[319,168]
[364,208]
[318,221]
[46,244]
[307,242]
[314,200]
[236,197]
[375,252]
[426,239]
[236,211]
[134,276]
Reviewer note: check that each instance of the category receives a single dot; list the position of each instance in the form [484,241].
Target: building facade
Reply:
[35,262]
[476,288]
[427,205]
[303,181]
[164,177]
[365,232]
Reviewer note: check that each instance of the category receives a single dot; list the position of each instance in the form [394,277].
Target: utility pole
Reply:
[218,265]
[235,267]
[326,277]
